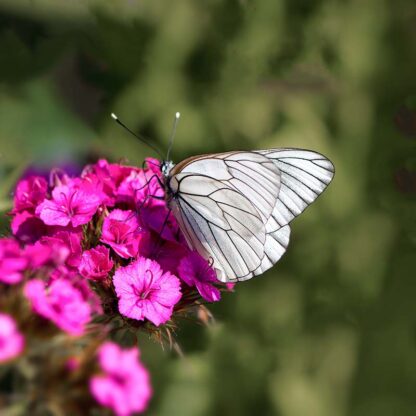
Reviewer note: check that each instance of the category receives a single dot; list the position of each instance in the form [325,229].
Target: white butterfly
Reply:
[234,208]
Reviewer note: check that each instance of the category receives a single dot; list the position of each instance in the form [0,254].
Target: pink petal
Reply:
[51,214]
[208,291]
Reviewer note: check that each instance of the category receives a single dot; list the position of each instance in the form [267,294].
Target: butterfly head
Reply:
[166,167]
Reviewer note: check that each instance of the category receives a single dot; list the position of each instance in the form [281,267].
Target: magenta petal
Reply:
[11,340]
[29,193]
[156,313]
[50,213]
[194,270]
[109,357]
[209,292]
[108,393]
[12,261]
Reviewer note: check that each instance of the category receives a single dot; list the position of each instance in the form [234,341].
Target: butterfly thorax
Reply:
[166,167]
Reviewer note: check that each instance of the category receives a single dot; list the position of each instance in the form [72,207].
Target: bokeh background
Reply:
[331,330]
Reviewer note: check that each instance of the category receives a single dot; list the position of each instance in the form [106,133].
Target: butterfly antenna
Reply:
[172,135]
[137,136]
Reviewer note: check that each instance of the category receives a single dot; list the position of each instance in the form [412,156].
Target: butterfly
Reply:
[235,208]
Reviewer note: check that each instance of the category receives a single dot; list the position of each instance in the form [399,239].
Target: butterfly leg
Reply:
[148,181]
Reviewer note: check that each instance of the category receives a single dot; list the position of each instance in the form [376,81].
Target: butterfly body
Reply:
[234,208]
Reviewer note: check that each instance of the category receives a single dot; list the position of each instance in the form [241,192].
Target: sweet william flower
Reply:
[95,263]
[61,303]
[11,340]
[124,385]
[29,193]
[146,292]
[194,270]
[12,261]
[121,231]
[72,203]
[70,239]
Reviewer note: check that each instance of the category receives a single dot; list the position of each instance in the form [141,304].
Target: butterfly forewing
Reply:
[252,175]
[304,175]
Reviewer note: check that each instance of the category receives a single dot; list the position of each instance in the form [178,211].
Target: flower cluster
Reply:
[95,254]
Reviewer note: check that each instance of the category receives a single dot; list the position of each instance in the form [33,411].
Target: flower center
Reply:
[119,379]
[146,294]
[120,232]
[147,290]
[57,308]
[68,205]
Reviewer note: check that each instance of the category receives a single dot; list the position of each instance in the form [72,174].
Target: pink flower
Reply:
[73,203]
[125,385]
[11,340]
[71,240]
[96,263]
[30,192]
[145,292]
[194,270]
[12,261]
[121,231]
[60,302]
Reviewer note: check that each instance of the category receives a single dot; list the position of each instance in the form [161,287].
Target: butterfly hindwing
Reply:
[220,223]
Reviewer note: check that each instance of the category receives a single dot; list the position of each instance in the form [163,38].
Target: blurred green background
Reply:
[331,330]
